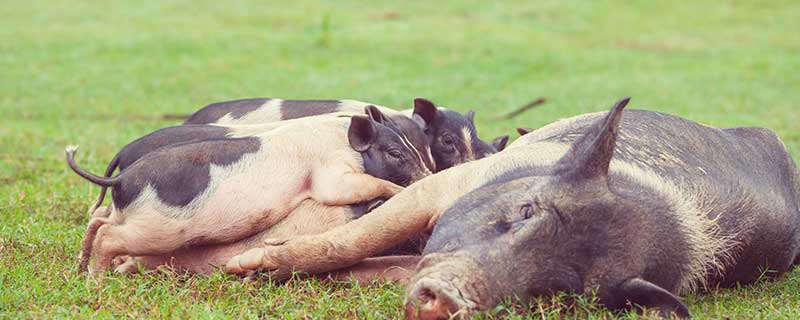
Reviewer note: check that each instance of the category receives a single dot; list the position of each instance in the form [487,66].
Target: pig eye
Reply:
[394,153]
[526,211]
[448,140]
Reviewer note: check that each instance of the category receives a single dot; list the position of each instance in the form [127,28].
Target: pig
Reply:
[268,110]
[310,217]
[637,208]
[199,132]
[222,190]
[453,137]
[446,137]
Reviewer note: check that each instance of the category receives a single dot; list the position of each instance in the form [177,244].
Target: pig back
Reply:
[740,184]
[268,110]
[185,177]
[718,163]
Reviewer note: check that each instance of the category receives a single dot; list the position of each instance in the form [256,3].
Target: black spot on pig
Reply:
[165,137]
[293,109]
[215,111]
[179,173]
[160,138]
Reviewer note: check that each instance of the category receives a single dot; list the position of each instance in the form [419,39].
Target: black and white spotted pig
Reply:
[222,190]
[446,138]
[638,207]
[199,132]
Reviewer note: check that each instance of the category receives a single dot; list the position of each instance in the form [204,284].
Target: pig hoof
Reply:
[128,267]
[119,260]
[233,266]
[250,260]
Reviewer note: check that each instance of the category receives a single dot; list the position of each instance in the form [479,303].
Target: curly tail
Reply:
[101,181]
[109,171]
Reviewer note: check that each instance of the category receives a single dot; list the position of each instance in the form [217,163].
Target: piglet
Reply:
[222,190]
[199,132]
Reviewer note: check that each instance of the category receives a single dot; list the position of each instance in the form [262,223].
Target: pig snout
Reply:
[429,302]
[445,286]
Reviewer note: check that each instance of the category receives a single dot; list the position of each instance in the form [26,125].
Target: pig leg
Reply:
[407,214]
[140,234]
[392,269]
[339,189]
[106,248]
[200,260]
[309,217]
[124,242]
[88,242]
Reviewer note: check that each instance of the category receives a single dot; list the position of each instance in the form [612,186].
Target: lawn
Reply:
[101,74]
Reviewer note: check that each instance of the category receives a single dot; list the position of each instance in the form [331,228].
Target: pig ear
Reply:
[375,114]
[362,133]
[590,156]
[500,142]
[471,116]
[524,131]
[642,293]
[424,112]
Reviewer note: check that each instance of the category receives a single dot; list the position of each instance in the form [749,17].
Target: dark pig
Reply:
[453,137]
[638,208]
[671,207]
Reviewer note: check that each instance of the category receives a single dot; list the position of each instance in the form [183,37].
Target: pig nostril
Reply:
[428,304]
[426,295]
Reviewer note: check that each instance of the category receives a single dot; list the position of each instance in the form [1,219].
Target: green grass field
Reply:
[100,75]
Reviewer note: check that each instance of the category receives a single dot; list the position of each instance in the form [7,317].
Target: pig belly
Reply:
[309,217]
[239,206]
[245,204]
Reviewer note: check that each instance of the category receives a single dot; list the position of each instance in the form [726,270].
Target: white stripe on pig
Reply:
[268,112]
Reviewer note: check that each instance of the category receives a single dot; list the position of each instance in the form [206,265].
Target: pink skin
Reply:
[316,161]
[310,217]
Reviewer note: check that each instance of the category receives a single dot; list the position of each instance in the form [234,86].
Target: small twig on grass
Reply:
[175,116]
[521,110]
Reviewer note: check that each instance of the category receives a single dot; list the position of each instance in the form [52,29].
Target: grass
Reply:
[101,74]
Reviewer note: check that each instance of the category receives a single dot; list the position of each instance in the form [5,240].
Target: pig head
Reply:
[596,222]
